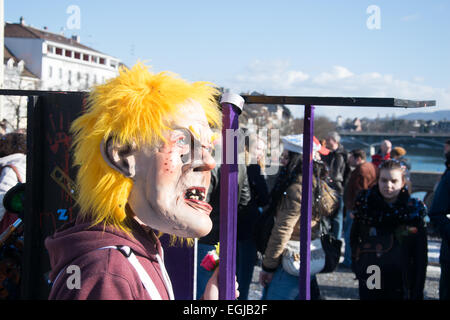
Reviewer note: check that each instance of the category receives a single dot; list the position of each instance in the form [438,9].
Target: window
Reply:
[113,64]
[77,55]
[70,77]
[94,59]
[79,76]
[95,79]
[50,72]
[86,57]
[50,49]
[58,51]
[69,53]
[102,61]
[87,77]
[60,73]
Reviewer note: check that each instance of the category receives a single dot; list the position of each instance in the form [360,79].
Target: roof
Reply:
[18,30]
[8,55]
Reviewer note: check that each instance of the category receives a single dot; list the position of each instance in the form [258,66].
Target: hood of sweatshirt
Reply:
[77,238]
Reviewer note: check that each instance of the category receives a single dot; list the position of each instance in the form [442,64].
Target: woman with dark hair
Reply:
[389,239]
[281,283]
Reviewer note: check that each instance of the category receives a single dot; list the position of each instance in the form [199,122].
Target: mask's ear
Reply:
[120,157]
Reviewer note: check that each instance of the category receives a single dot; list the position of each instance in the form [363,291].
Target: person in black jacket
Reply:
[389,239]
[246,253]
[336,161]
[439,211]
[208,242]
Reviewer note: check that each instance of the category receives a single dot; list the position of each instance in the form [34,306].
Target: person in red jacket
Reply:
[143,148]
[383,154]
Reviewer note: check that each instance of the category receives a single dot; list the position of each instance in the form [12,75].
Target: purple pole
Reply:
[305,211]
[231,107]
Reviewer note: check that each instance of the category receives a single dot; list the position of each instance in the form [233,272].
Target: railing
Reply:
[423,181]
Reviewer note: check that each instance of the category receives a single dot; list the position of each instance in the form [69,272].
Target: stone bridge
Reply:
[413,140]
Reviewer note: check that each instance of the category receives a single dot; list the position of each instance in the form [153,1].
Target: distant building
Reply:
[58,63]
[16,76]
[339,122]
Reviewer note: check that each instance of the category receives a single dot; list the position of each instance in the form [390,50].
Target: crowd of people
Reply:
[365,202]
[137,181]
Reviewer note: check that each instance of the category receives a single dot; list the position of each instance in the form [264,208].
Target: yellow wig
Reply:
[131,108]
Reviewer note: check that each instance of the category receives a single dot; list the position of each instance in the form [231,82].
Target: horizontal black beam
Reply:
[306,100]
[16,92]
[339,101]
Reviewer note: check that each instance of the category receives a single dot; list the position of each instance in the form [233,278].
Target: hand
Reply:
[265,278]
[212,287]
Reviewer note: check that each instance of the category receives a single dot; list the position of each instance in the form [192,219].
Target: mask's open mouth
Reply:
[195,197]
[195,193]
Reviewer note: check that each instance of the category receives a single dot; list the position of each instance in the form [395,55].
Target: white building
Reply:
[16,76]
[59,63]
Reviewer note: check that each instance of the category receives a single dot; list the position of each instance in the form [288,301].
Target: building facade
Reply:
[58,63]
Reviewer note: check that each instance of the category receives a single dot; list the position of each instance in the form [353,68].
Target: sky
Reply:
[377,48]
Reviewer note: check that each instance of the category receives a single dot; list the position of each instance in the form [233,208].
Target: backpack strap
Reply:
[143,275]
[11,166]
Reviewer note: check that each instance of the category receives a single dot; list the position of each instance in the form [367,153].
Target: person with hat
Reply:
[278,282]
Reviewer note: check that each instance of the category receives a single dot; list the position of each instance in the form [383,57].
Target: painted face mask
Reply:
[171,180]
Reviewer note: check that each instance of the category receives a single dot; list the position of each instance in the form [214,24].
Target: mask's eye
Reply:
[182,141]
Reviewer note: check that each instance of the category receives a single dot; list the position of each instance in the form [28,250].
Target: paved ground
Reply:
[341,284]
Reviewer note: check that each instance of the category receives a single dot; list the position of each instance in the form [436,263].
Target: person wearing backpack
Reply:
[143,150]
[278,281]
[389,239]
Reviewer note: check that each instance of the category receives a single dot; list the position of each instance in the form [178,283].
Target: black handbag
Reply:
[332,248]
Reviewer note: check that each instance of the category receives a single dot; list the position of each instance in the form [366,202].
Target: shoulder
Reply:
[363,196]
[417,206]
[103,275]
[295,186]
[446,177]
[293,192]
[367,166]
[362,202]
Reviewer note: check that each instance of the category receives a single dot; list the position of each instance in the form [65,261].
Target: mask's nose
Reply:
[205,162]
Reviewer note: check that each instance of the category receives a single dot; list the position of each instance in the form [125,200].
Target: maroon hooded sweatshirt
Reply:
[105,274]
